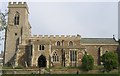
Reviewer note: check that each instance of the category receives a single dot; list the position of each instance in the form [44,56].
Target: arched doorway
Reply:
[42,61]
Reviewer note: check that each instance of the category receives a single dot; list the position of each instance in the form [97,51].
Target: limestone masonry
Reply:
[22,49]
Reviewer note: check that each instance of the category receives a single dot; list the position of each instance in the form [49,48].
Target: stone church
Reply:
[23,49]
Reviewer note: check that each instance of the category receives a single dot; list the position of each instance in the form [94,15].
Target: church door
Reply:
[42,61]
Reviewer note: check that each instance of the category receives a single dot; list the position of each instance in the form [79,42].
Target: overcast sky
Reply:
[89,18]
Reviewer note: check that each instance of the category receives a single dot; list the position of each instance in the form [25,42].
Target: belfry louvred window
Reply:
[16,18]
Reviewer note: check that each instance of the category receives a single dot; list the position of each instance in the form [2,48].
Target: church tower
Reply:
[18,29]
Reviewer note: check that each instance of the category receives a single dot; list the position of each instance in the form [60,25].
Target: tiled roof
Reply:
[98,41]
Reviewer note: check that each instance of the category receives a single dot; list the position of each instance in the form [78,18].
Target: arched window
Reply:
[70,43]
[55,57]
[16,18]
[58,43]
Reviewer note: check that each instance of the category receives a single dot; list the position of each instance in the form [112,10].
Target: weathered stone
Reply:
[22,49]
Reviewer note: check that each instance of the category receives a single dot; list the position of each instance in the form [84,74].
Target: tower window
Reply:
[16,18]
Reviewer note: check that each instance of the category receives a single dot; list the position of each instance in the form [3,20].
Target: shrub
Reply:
[87,62]
[110,61]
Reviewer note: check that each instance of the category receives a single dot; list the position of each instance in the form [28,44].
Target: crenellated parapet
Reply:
[56,36]
[18,4]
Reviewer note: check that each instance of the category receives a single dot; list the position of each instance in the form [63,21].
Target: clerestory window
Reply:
[70,43]
[58,43]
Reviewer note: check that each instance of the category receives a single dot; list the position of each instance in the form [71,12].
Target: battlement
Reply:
[18,4]
[56,36]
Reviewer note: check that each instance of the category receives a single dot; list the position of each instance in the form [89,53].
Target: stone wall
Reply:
[93,50]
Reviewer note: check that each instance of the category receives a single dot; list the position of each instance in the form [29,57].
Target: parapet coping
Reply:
[55,36]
